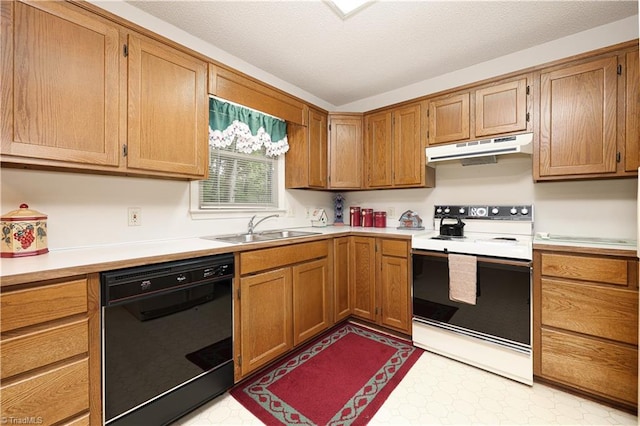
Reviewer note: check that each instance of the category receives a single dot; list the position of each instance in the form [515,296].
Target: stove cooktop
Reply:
[490,230]
[477,243]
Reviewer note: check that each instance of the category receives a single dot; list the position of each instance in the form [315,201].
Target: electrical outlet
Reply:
[291,212]
[391,212]
[135,216]
[307,213]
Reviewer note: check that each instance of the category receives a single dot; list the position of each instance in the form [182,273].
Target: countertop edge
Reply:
[53,273]
[583,249]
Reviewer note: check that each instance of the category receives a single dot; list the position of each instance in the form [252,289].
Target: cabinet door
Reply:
[408,155]
[265,318]
[501,108]
[449,119]
[632,110]
[341,290]
[60,82]
[310,299]
[379,149]
[578,119]
[317,149]
[168,109]
[393,284]
[345,152]
[362,273]
[394,293]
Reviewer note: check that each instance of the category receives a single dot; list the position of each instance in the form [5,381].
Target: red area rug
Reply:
[339,379]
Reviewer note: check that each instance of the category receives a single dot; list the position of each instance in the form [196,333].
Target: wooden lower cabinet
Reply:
[284,299]
[380,282]
[265,318]
[586,321]
[50,359]
[363,277]
[310,299]
[341,292]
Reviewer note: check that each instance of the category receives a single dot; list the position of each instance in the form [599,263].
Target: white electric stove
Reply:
[494,333]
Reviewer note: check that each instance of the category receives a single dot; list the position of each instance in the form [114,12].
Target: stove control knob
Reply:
[447,210]
[494,210]
[513,210]
[439,210]
[524,210]
[461,210]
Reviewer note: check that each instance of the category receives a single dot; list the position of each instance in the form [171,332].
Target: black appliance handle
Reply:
[460,222]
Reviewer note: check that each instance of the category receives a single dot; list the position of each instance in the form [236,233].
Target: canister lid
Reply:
[24,213]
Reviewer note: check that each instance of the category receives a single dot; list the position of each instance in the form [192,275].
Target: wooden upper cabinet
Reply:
[489,110]
[168,112]
[345,151]
[60,82]
[317,130]
[578,105]
[394,148]
[408,153]
[306,161]
[379,149]
[632,111]
[449,118]
[501,108]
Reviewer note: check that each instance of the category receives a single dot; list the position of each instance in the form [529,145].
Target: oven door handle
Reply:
[484,259]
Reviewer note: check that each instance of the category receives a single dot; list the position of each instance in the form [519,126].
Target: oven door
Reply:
[502,313]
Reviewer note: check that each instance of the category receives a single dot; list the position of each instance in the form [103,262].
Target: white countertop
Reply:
[580,241]
[110,255]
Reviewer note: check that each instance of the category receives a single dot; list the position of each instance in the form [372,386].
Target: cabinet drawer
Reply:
[608,369]
[53,395]
[599,269]
[43,347]
[271,258]
[599,311]
[35,305]
[396,248]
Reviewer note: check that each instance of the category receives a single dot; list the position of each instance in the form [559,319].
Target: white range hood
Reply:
[482,148]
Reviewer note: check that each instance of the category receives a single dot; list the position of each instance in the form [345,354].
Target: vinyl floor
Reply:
[441,391]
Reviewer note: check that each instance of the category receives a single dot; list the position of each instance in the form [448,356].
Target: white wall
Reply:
[599,208]
[86,210]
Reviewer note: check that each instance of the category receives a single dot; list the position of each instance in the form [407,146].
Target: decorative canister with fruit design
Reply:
[24,233]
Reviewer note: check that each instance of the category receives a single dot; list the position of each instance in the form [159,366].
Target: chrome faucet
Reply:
[252,225]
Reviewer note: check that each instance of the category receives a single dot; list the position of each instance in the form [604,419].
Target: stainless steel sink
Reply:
[260,236]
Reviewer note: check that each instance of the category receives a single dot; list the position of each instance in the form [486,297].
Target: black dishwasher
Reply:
[167,343]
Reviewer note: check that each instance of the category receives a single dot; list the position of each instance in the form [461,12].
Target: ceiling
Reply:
[385,46]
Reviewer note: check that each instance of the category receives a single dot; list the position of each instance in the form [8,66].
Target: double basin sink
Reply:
[260,236]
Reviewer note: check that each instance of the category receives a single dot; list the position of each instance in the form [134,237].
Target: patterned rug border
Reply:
[279,412]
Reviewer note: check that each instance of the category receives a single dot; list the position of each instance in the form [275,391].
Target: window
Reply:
[240,181]
[244,169]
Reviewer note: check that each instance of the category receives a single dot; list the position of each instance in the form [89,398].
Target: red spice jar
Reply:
[367,218]
[380,219]
[354,217]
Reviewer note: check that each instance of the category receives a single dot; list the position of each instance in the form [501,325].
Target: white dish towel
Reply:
[463,277]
